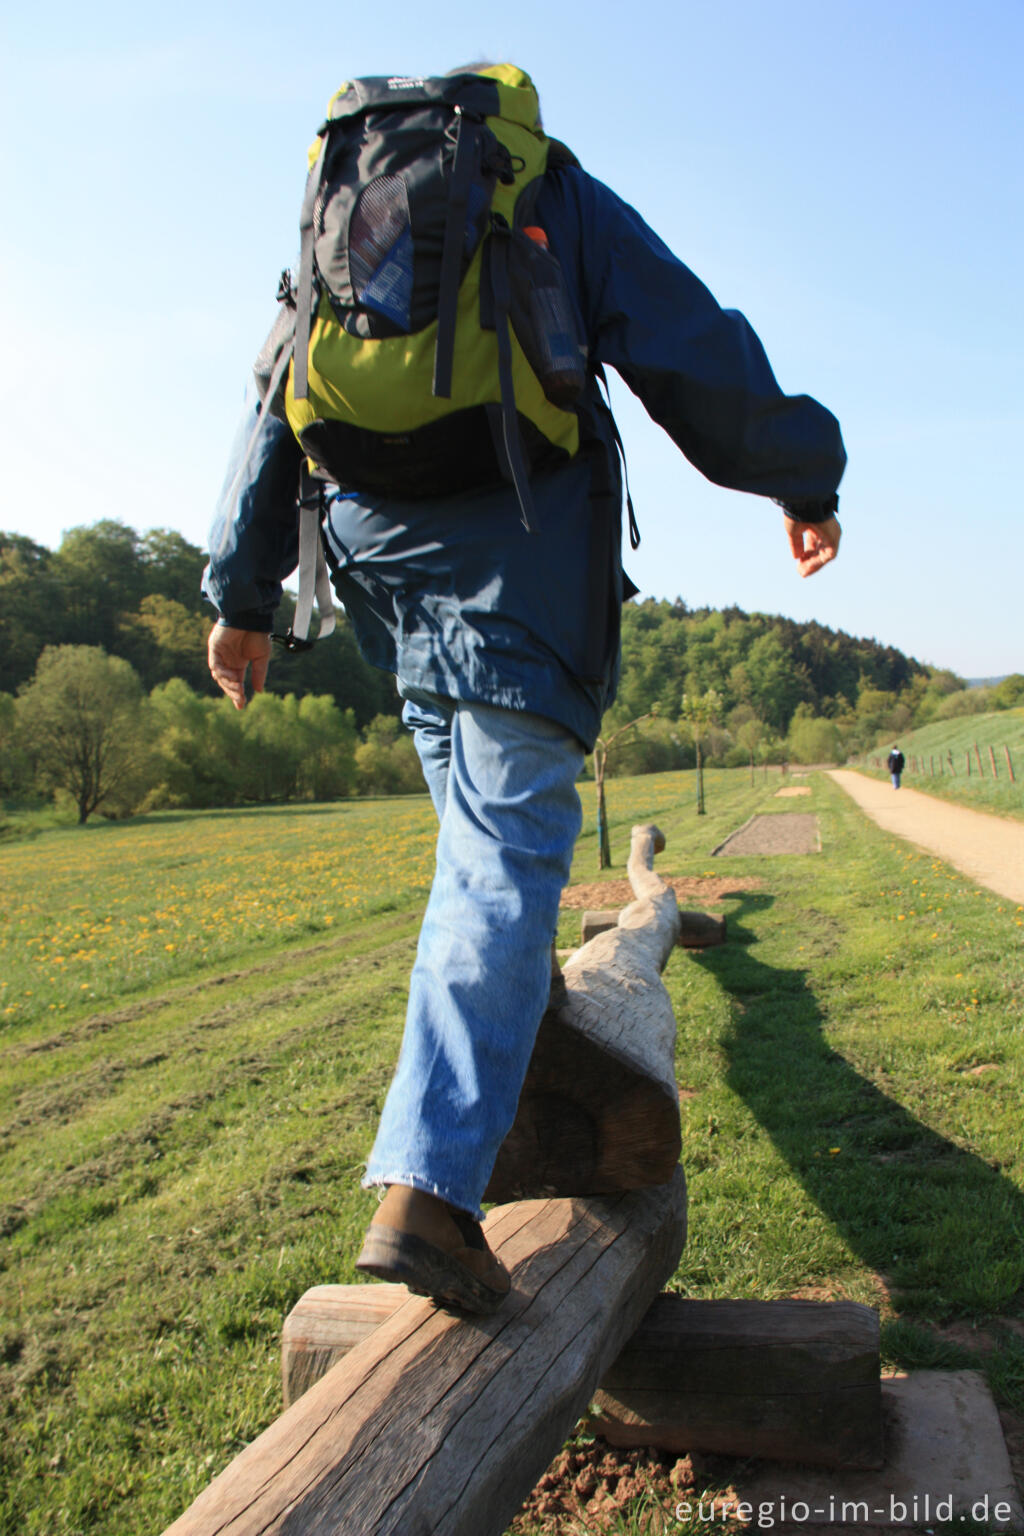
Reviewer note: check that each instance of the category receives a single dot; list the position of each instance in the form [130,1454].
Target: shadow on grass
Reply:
[942,1227]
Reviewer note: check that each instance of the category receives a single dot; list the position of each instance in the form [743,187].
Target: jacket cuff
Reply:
[263,623]
[818,510]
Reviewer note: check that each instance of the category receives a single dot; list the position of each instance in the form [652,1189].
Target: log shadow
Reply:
[940,1224]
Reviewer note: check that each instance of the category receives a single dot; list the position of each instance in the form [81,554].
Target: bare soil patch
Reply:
[588,1487]
[801,789]
[692,892]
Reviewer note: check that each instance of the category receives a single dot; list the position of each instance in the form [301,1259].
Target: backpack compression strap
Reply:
[497,253]
[467,137]
[304,296]
[314,579]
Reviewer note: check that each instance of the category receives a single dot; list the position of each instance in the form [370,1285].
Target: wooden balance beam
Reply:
[440,1425]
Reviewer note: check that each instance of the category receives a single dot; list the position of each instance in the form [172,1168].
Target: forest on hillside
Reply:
[105,699]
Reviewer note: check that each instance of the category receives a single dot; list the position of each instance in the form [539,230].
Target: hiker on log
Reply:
[485,311]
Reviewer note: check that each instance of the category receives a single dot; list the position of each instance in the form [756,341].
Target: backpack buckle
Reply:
[291,642]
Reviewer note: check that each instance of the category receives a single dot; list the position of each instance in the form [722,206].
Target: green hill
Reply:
[975,759]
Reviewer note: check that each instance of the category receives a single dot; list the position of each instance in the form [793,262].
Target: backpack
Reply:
[430,345]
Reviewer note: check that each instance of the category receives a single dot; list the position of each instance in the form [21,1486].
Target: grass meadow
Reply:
[965,760]
[199,1019]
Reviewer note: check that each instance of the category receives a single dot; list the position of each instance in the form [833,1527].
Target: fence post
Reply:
[992,755]
[1009,763]
[977,753]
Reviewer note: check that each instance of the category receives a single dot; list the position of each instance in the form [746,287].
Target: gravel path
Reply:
[786,832]
[988,848]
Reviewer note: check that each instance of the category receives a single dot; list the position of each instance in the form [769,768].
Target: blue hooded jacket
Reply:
[453,595]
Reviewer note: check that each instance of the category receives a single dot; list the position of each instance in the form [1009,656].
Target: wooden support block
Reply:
[598,922]
[699,930]
[439,1425]
[325,1323]
[783,1380]
[599,1109]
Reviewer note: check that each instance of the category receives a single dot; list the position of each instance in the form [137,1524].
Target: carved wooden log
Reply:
[438,1425]
[599,1108]
[784,1380]
[697,930]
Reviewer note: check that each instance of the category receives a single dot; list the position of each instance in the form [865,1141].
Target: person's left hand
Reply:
[230,653]
[813,545]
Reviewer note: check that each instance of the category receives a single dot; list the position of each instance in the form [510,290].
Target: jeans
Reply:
[503,783]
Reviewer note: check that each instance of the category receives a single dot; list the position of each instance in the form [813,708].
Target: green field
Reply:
[954,759]
[200,1017]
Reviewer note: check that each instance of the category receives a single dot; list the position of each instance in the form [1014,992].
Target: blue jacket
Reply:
[454,596]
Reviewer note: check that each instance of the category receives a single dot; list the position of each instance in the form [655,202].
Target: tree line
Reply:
[137,596]
[85,731]
[106,700]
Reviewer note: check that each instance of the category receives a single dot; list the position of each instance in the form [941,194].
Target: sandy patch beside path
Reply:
[988,848]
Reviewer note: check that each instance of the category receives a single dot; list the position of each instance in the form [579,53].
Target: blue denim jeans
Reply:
[504,787]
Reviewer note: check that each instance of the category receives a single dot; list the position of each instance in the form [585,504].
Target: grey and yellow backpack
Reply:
[429,345]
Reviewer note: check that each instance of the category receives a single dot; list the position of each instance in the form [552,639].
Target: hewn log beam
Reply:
[438,1425]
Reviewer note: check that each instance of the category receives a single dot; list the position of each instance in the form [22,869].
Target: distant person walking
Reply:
[896,763]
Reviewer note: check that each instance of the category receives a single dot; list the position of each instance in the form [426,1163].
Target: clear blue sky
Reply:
[847,174]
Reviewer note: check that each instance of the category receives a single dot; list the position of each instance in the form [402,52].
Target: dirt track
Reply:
[988,848]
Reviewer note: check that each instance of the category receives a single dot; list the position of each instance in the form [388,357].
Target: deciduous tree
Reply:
[83,719]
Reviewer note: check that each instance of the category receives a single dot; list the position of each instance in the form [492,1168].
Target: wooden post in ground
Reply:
[992,756]
[1009,763]
[599,1110]
[786,1380]
[438,1425]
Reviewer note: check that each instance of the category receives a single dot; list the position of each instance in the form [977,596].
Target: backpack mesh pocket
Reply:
[381,250]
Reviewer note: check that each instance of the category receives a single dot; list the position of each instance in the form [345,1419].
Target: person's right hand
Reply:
[230,653]
[813,545]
